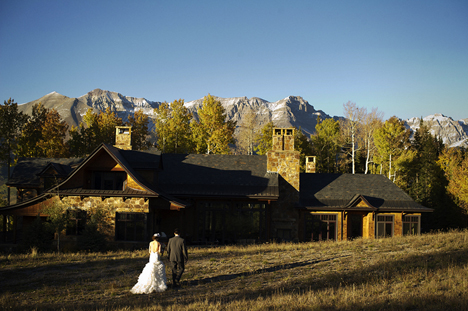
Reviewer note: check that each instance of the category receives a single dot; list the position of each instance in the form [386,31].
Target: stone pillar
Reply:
[283,159]
[123,137]
[310,164]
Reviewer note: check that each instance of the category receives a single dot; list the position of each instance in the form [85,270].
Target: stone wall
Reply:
[110,206]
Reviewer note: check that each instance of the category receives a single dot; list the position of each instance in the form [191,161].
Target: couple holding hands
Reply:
[153,277]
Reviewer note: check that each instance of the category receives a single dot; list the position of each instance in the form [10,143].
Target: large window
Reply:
[224,223]
[320,227]
[384,226]
[109,180]
[411,225]
[76,221]
[130,226]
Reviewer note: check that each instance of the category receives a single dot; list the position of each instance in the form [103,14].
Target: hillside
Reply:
[427,272]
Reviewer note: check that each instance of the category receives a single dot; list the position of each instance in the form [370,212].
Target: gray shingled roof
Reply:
[338,191]
[217,175]
[26,172]
[146,159]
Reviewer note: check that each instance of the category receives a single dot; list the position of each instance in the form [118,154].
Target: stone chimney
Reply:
[123,137]
[283,159]
[310,164]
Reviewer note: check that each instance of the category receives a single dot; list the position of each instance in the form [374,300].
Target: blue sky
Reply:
[406,58]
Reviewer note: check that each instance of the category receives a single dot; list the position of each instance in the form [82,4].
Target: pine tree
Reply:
[426,182]
[11,125]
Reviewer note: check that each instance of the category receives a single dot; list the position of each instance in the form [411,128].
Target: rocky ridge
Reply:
[287,112]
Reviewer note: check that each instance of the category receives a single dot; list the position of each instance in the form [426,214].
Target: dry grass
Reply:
[428,272]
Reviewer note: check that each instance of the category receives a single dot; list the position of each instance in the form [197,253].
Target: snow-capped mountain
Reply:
[288,112]
[291,111]
[453,133]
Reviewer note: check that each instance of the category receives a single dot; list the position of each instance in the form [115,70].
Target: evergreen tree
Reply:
[212,134]
[423,179]
[426,182]
[11,125]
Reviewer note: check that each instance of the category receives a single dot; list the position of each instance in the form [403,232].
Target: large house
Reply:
[214,199]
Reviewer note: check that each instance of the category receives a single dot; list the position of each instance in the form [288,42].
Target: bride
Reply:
[153,276]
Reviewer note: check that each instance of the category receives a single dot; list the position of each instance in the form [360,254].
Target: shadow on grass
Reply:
[228,277]
[386,270]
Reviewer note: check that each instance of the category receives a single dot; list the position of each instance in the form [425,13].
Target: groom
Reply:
[178,256]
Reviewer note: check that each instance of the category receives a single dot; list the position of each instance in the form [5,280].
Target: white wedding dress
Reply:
[152,278]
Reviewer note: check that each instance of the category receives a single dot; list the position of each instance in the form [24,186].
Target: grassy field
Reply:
[428,272]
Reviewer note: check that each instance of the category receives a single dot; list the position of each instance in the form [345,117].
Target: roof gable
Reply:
[341,191]
[28,170]
[109,158]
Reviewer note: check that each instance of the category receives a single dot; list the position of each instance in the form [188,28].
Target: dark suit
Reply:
[177,253]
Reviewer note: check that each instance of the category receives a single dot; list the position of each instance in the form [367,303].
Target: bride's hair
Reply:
[155,238]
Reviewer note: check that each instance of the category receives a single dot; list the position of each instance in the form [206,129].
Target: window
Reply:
[109,180]
[320,227]
[130,226]
[224,223]
[411,225]
[384,226]
[76,222]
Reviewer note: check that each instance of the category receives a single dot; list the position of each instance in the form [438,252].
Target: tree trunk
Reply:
[390,168]
[352,151]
